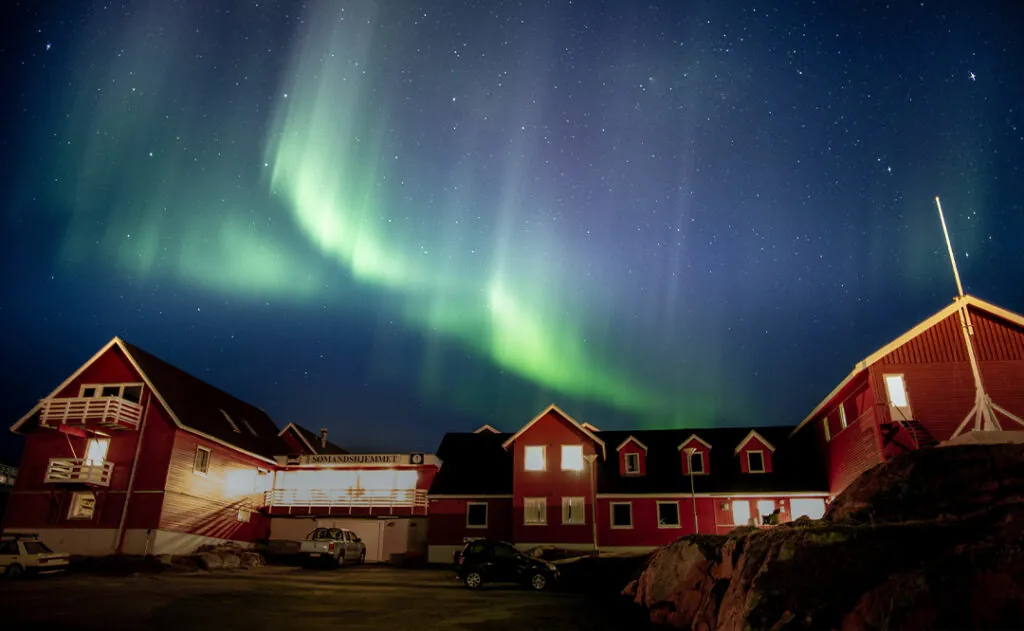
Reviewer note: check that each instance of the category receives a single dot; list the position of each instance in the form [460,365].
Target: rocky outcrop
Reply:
[933,539]
[227,557]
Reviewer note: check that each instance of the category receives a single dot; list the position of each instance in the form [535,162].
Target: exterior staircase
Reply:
[921,436]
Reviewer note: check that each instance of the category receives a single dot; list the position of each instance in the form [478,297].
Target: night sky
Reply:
[400,219]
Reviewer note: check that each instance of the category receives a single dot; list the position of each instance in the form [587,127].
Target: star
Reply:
[48,45]
[973,77]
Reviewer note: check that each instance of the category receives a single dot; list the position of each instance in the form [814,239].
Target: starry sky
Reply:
[397,219]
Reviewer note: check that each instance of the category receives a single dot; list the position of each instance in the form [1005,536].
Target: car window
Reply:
[505,552]
[475,548]
[355,537]
[36,547]
[346,535]
[8,547]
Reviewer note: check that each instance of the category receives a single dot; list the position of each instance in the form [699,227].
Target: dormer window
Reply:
[696,461]
[633,464]
[755,462]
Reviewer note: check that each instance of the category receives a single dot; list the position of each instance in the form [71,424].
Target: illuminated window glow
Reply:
[534,458]
[96,450]
[740,512]
[573,510]
[811,507]
[897,391]
[842,415]
[572,457]
[765,507]
[535,511]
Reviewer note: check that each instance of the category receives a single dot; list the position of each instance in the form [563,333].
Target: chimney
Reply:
[323,438]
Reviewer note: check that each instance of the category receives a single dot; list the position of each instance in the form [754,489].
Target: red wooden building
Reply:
[133,455]
[918,389]
[559,482]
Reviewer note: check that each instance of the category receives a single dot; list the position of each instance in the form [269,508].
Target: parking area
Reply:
[369,597]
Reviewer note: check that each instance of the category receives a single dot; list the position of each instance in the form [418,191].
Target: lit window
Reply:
[476,514]
[573,510]
[765,508]
[535,511]
[668,514]
[244,515]
[83,506]
[696,462]
[741,512]
[897,391]
[632,464]
[811,507]
[622,514]
[572,457]
[201,464]
[828,434]
[534,458]
[842,415]
[755,462]
[96,450]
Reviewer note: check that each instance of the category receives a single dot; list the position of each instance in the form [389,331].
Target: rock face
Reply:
[931,540]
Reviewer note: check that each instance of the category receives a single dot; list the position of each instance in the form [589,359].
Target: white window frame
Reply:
[195,461]
[542,502]
[898,412]
[572,448]
[689,463]
[636,457]
[543,457]
[96,440]
[76,503]
[824,424]
[764,463]
[231,422]
[732,512]
[611,515]
[679,517]
[98,387]
[581,519]
[244,515]
[487,514]
[842,416]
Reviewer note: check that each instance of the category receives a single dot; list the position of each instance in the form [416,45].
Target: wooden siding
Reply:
[994,340]
[852,452]
[553,484]
[447,520]
[155,454]
[110,367]
[645,530]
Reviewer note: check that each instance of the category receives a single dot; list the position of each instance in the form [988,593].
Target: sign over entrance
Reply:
[356,459]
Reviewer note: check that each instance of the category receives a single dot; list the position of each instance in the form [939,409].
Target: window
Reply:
[476,514]
[572,457]
[83,505]
[535,511]
[36,547]
[244,515]
[622,514]
[503,551]
[110,391]
[9,547]
[127,391]
[668,514]
[755,462]
[741,513]
[632,464]
[842,415]
[574,510]
[899,403]
[88,392]
[96,451]
[828,434]
[231,422]
[534,458]
[697,462]
[811,507]
[201,464]
[765,508]
[249,427]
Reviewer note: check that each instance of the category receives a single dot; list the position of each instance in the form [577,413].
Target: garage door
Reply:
[369,530]
[290,528]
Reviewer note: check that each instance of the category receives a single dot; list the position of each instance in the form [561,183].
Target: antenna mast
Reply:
[984,409]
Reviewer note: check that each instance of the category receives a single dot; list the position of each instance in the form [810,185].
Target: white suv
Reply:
[21,554]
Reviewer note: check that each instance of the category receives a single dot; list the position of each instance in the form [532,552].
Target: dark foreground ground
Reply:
[277,597]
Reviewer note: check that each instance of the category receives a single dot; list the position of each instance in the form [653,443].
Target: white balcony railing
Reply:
[348,498]
[79,471]
[111,412]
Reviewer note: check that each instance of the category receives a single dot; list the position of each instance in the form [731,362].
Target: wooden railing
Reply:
[79,471]
[111,412]
[348,498]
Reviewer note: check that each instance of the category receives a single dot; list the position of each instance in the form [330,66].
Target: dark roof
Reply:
[476,464]
[794,464]
[314,441]
[198,406]
[473,464]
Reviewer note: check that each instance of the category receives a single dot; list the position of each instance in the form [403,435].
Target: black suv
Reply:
[489,561]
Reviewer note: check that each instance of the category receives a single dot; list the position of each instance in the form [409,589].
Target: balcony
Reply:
[108,412]
[79,471]
[366,500]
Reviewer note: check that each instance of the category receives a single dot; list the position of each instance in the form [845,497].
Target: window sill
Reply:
[630,527]
[476,527]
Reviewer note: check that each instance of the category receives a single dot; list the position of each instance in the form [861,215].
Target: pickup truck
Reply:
[335,545]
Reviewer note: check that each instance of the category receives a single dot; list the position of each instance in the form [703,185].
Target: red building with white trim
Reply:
[559,482]
[132,455]
[917,390]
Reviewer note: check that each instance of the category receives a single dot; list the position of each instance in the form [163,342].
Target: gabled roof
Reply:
[312,440]
[752,435]
[193,404]
[923,326]
[592,428]
[554,408]
[473,464]
[485,428]
[631,439]
[692,437]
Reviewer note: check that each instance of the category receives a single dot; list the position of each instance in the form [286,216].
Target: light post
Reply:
[693,496]
[591,459]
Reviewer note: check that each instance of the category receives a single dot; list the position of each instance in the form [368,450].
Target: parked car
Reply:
[335,545]
[490,561]
[22,554]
